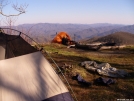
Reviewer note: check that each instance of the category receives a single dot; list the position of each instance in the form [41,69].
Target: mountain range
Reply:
[119,38]
[45,32]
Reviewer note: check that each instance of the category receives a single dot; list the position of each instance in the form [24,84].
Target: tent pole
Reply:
[62,75]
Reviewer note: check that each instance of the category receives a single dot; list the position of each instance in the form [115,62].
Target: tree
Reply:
[19,8]
[11,18]
[9,21]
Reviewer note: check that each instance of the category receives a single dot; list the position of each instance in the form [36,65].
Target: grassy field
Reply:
[120,59]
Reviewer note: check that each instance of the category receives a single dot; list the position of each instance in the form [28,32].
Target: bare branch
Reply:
[2,5]
[19,8]
[9,21]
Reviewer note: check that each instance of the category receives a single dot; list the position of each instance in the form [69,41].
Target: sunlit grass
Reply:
[124,87]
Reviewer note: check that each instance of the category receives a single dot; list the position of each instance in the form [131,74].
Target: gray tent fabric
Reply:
[104,69]
[31,78]
[26,75]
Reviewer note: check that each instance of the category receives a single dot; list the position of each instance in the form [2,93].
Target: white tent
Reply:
[27,76]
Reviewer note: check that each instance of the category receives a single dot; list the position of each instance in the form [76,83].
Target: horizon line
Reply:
[73,23]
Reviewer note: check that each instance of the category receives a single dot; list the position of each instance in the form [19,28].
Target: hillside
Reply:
[120,38]
[129,29]
[93,32]
[80,31]
[45,32]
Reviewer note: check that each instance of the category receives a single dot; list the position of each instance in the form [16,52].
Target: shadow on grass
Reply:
[127,93]
[126,90]
[76,60]
[59,58]
[126,66]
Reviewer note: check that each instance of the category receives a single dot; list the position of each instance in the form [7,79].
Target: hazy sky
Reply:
[75,11]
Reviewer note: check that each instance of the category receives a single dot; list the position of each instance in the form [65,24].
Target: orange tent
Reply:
[58,38]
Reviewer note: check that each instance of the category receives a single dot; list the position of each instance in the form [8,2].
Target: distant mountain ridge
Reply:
[92,32]
[129,29]
[120,38]
[45,32]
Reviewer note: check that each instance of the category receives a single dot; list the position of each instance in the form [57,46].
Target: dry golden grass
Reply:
[121,59]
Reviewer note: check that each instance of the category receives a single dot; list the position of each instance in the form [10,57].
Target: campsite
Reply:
[89,75]
[66,50]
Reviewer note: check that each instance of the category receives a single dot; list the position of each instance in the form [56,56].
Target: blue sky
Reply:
[75,11]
